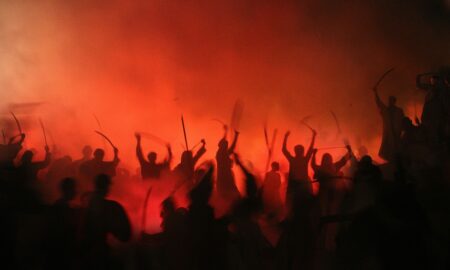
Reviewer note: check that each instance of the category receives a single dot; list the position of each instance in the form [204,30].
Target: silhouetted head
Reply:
[67,188]
[327,160]
[299,150]
[186,157]
[168,206]
[275,166]
[99,154]
[392,101]
[102,184]
[223,144]
[366,160]
[27,157]
[87,151]
[66,160]
[152,157]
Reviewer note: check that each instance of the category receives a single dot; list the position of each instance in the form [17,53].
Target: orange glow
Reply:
[140,66]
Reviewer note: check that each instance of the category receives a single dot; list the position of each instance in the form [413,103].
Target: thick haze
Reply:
[138,65]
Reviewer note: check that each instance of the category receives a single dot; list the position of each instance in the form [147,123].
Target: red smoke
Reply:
[139,65]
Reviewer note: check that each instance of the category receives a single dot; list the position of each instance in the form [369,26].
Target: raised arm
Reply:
[116,156]
[139,154]
[233,145]
[169,154]
[284,149]
[311,145]
[48,158]
[341,163]
[250,181]
[22,138]
[381,106]
[200,152]
[225,132]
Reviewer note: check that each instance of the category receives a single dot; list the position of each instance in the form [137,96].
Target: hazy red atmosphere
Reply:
[140,65]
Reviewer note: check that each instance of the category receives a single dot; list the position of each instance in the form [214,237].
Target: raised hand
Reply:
[138,136]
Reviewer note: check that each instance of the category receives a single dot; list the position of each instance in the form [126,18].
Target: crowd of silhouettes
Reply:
[361,215]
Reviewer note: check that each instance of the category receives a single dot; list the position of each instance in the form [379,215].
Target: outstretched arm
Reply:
[139,154]
[233,145]
[311,145]
[284,149]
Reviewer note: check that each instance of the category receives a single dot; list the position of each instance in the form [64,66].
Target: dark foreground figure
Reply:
[362,215]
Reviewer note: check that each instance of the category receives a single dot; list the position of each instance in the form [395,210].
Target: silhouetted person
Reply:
[366,185]
[298,163]
[329,174]
[413,148]
[86,155]
[208,238]
[249,244]
[28,170]
[298,243]
[435,110]
[226,187]
[392,117]
[8,152]
[175,235]
[93,167]
[390,234]
[271,191]
[185,169]
[150,169]
[103,217]
[64,228]
[331,191]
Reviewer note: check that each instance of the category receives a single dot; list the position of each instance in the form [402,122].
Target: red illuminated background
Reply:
[139,65]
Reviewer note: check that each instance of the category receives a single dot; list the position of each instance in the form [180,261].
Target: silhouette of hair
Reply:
[168,205]
[27,156]
[99,154]
[152,157]
[275,166]
[223,144]
[299,150]
[327,159]
[186,156]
